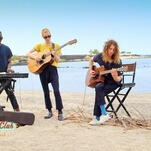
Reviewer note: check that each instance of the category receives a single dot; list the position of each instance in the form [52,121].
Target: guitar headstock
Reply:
[123,68]
[72,42]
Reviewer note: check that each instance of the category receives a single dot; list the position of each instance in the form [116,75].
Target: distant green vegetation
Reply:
[22,60]
[125,53]
[17,59]
[93,52]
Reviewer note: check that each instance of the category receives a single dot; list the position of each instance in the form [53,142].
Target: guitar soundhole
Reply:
[43,56]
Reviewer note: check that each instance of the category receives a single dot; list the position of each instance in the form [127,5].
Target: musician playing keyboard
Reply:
[5,66]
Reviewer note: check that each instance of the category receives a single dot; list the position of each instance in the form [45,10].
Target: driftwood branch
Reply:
[80,117]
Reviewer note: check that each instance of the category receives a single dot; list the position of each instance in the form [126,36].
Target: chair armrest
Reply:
[127,85]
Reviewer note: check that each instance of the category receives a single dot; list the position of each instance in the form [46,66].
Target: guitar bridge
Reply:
[39,62]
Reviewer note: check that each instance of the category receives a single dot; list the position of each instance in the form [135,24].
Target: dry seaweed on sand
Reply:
[80,116]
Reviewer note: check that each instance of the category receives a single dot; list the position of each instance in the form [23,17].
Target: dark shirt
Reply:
[5,54]
[108,66]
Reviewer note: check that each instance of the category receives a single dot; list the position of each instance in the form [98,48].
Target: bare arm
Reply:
[90,63]
[9,65]
[30,55]
[56,56]
[115,75]
[92,72]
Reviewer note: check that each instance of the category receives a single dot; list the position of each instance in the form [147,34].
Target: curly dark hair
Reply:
[115,57]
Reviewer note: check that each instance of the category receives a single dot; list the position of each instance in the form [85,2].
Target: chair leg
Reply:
[111,101]
[122,101]
[110,105]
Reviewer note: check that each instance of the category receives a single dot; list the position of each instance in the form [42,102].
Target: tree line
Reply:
[23,59]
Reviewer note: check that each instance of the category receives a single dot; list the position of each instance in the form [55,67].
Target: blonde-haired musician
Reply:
[50,73]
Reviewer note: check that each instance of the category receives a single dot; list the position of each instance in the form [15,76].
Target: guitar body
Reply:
[23,118]
[92,81]
[38,67]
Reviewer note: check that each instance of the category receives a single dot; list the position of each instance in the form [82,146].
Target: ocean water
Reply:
[72,77]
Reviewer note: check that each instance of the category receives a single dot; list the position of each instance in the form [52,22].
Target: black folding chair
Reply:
[121,93]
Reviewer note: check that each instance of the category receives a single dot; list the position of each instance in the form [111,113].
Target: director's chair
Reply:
[121,93]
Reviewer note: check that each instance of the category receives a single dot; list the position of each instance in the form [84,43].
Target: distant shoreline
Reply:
[22,60]
[135,56]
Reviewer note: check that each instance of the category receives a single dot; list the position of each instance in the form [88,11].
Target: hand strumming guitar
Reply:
[92,73]
[37,59]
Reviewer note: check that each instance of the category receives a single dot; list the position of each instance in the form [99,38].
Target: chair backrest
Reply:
[129,74]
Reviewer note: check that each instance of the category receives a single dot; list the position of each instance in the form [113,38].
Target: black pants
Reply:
[101,90]
[50,75]
[10,94]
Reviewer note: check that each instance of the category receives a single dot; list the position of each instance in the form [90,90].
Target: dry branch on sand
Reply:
[80,117]
[130,123]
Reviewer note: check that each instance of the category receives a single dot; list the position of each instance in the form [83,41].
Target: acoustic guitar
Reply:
[100,75]
[46,58]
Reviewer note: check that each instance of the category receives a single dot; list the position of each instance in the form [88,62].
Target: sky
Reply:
[91,22]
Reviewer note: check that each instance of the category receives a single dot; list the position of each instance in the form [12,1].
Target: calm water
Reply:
[72,77]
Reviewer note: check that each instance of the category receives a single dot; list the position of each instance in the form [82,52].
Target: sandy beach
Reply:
[75,133]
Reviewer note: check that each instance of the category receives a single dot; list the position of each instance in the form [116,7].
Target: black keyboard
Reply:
[13,75]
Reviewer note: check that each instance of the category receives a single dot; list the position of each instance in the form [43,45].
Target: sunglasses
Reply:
[47,36]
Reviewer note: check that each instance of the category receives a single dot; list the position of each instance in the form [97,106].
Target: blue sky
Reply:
[91,22]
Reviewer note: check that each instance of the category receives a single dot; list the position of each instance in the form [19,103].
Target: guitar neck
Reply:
[109,71]
[105,72]
[56,49]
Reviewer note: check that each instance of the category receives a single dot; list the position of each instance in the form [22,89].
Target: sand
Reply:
[77,134]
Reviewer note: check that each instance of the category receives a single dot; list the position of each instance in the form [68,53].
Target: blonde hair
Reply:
[115,57]
[45,30]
